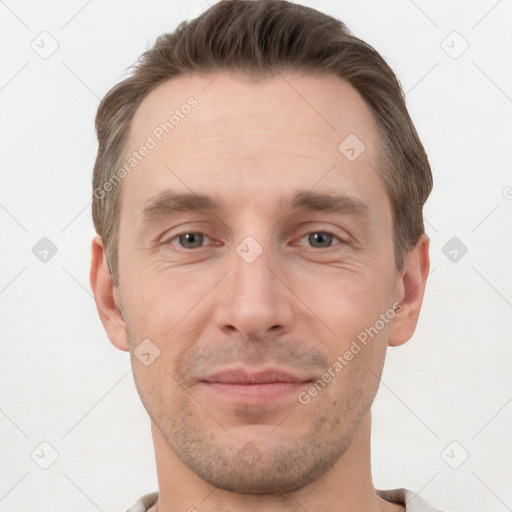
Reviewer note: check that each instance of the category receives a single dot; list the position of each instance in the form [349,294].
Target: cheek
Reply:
[358,312]
[358,315]
[345,300]
[164,306]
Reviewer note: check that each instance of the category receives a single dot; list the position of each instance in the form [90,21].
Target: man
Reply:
[258,197]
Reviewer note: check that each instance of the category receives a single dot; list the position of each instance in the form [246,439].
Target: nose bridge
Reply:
[252,299]
[254,284]
[251,272]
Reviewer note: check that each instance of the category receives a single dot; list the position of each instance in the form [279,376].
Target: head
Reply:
[258,196]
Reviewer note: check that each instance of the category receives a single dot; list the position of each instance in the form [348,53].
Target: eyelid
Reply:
[325,232]
[313,227]
[184,228]
[169,240]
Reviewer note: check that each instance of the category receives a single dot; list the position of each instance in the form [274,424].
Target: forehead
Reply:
[325,105]
[228,133]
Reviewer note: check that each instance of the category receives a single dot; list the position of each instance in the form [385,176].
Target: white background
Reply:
[62,381]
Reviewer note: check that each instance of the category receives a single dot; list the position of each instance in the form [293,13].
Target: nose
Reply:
[253,300]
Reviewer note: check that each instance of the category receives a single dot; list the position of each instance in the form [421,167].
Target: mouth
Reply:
[243,387]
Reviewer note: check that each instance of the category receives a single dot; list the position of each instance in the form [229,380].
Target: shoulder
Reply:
[144,503]
[411,500]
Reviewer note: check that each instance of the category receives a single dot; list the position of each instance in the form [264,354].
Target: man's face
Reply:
[265,277]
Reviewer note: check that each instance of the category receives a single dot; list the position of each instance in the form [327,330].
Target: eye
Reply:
[320,239]
[189,240]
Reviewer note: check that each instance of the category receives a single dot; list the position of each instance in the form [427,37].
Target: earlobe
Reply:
[107,296]
[410,291]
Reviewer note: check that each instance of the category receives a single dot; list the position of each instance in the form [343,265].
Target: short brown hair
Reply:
[259,38]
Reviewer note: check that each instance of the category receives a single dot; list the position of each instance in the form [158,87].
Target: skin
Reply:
[252,145]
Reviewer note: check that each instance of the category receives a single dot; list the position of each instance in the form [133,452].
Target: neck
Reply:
[347,486]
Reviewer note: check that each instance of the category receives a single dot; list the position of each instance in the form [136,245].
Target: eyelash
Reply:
[323,232]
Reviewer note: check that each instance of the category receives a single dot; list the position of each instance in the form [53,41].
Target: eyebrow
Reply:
[169,203]
[332,203]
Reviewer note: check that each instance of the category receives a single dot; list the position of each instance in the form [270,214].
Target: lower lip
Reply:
[255,393]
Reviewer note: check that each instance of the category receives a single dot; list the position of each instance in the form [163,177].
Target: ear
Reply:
[106,296]
[411,282]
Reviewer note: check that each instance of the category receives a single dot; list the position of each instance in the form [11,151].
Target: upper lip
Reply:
[241,376]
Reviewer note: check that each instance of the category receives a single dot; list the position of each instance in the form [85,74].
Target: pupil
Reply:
[320,239]
[191,240]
